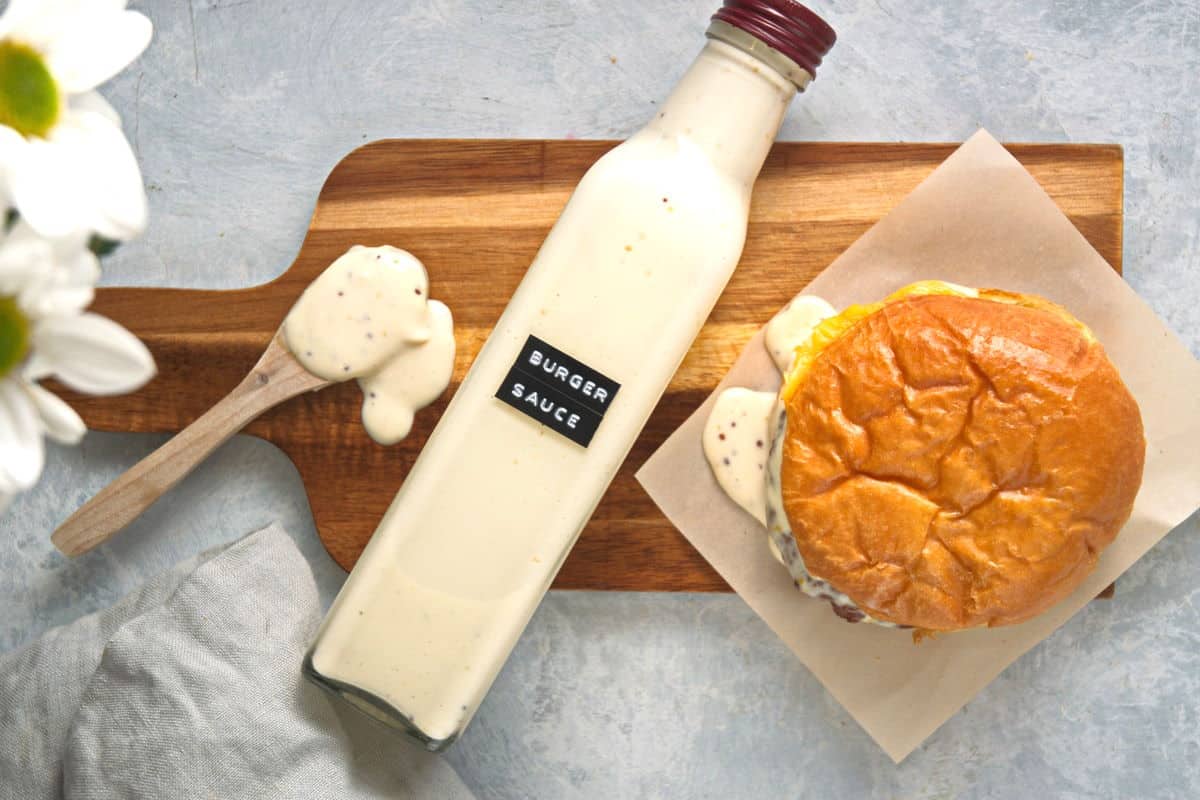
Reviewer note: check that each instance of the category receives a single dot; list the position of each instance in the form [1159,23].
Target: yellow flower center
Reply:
[29,101]
[14,335]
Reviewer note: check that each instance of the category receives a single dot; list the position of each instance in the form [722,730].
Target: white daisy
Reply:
[64,162]
[45,285]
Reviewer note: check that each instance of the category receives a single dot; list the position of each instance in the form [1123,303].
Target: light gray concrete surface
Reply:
[239,110]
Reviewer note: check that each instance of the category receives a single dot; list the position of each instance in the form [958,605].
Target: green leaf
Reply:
[102,246]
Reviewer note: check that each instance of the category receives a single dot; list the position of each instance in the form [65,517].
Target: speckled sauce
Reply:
[368,316]
[740,429]
[736,441]
[743,443]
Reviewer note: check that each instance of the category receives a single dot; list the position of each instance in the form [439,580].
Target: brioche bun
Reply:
[955,460]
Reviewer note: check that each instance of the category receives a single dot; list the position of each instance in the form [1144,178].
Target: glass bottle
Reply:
[563,385]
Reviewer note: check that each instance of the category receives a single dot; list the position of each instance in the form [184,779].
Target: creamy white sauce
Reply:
[736,441]
[623,283]
[368,316]
[792,325]
[760,416]
[436,637]
[413,378]
[726,445]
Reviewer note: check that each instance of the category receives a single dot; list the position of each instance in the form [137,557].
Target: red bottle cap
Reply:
[785,25]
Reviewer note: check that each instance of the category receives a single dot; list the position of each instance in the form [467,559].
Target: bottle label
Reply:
[562,393]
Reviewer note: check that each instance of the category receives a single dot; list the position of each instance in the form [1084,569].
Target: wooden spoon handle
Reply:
[276,377]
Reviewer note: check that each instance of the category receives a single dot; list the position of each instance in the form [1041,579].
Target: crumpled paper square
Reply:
[981,220]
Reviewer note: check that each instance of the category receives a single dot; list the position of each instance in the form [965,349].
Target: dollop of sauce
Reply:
[368,316]
[736,440]
[739,431]
[792,325]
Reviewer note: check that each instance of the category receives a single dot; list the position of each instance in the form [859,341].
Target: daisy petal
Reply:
[93,47]
[58,300]
[39,22]
[6,499]
[60,247]
[89,354]
[94,101]
[84,178]
[59,420]
[35,22]
[43,186]
[114,182]
[24,261]
[48,276]
[74,286]
[12,151]
[67,289]
[22,452]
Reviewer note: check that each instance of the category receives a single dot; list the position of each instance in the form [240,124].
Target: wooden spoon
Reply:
[277,376]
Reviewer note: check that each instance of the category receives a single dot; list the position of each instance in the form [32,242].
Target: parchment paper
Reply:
[980,219]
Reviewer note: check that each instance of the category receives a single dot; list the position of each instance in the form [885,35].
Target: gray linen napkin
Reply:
[191,687]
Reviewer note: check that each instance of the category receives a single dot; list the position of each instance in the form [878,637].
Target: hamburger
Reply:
[949,458]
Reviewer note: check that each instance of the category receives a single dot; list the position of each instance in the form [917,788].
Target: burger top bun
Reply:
[955,461]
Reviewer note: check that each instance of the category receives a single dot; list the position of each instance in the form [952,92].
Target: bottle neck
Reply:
[730,105]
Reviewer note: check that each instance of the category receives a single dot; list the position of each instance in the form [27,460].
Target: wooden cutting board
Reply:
[475,212]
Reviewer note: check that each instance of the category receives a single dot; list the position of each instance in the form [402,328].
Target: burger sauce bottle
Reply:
[563,385]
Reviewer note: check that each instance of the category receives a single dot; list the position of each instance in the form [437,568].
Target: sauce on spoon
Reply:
[368,316]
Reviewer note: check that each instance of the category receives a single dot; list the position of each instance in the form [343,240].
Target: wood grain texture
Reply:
[475,211]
